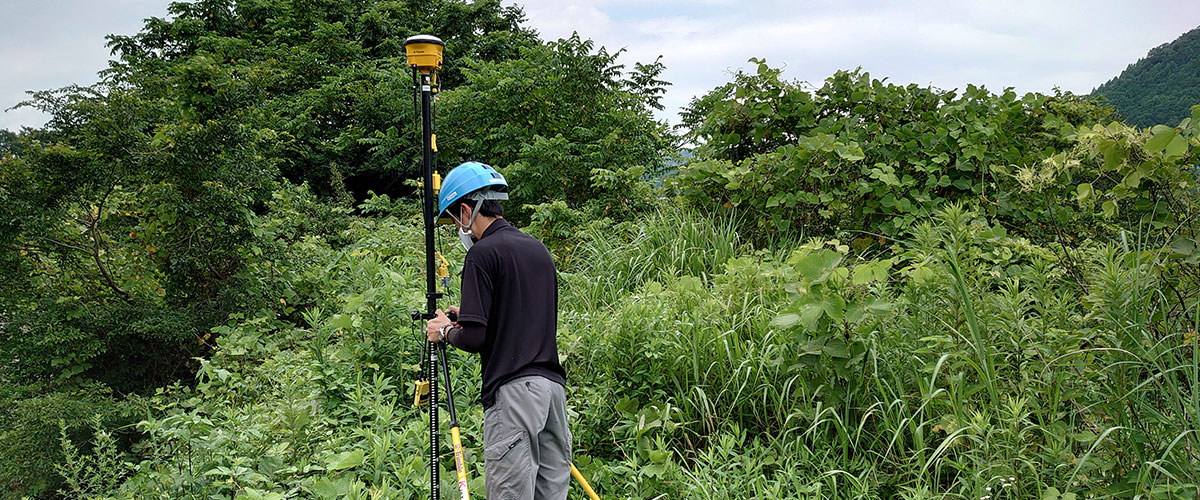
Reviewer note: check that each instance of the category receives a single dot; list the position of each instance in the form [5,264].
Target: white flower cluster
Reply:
[1007,483]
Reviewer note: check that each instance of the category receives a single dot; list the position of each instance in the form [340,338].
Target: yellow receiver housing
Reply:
[424,52]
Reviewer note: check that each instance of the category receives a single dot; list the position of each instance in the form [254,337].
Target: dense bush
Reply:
[860,156]
[30,421]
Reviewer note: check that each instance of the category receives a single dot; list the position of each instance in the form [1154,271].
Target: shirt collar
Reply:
[496,225]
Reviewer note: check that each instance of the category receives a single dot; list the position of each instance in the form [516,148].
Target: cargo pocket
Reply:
[508,467]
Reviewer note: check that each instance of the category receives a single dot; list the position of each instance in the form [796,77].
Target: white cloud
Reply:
[559,20]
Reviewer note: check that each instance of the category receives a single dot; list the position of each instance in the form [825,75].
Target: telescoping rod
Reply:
[424,53]
[431,294]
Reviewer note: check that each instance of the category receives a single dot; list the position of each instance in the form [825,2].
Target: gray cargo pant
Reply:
[527,446]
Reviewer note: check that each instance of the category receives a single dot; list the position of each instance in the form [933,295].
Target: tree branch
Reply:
[104,271]
[63,244]
[97,237]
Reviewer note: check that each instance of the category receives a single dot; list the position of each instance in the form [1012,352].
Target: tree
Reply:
[563,122]
[325,74]
[141,190]
[9,143]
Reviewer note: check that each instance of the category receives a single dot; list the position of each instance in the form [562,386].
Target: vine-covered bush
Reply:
[860,156]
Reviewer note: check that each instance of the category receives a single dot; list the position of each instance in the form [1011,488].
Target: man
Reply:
[509,316]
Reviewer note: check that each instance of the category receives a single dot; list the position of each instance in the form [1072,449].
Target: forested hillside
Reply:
[1161,87]
[208,262]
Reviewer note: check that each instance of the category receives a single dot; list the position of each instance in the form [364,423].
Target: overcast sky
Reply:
[1025,44]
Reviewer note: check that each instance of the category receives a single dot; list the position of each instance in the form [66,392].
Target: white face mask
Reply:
[465,235]
[467,239]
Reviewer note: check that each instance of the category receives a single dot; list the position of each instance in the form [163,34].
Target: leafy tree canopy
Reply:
[324,74]
[1161,87]
[564,122]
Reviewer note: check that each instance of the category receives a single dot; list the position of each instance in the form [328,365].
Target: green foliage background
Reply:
[863,290]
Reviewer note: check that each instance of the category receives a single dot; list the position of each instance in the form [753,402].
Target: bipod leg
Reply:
[455,438]
[587,488]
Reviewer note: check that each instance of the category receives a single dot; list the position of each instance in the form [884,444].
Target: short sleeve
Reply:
[476,294]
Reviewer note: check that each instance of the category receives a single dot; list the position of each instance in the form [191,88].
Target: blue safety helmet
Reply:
[470,181]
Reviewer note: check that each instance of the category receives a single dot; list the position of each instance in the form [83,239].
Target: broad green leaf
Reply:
[340,321]
[817,264]
[1133,180]
[327,488]
[655,470]
[813,346]
[1113,153]
[874,270]
[837,348]
[253,494]
[1177,147]
[809,314]
[1110,208]
[854,313]
[1162,136]
[877,306]
[344,460]
[863,273]
[353,302]
[1083,192]
[787,320]
[922,275]
[1146,169]
[1183,247]
[835,307]
[850,152]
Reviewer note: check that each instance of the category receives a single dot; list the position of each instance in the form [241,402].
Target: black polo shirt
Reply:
[509,288]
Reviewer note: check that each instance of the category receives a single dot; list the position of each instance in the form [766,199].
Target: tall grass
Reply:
[995,374]
[671,242]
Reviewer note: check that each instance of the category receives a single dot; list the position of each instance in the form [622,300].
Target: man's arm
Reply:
[468,336]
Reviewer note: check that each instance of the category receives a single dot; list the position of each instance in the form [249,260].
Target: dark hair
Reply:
[489,208]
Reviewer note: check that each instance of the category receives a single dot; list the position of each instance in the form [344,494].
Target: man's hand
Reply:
[433,328]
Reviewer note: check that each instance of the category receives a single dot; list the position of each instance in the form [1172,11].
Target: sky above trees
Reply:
[1025,44]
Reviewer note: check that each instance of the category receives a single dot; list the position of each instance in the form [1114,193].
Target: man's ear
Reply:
[464,213]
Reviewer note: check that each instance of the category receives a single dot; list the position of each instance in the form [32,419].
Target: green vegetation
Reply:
[1158,88]
[866,291]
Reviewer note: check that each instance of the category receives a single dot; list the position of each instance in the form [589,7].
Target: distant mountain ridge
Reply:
[1161,87]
